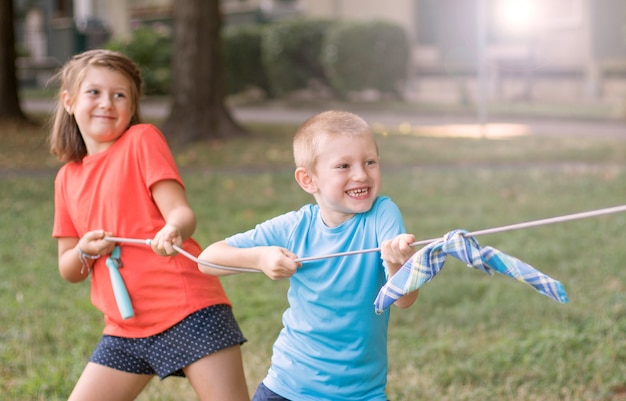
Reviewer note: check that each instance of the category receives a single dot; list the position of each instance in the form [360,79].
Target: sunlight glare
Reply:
[516,16]
[473,131]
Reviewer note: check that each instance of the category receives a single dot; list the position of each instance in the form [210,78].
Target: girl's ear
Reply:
[305,180]
[67,103]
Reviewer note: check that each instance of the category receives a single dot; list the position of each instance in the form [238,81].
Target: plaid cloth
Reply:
[466,249]
[515,268]
[428,261]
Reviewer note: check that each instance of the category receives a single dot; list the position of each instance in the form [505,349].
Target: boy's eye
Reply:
[371,162]
[343,166]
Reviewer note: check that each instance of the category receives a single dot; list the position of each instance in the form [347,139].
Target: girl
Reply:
[120,179]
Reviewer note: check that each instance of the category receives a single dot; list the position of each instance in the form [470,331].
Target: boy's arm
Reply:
[274,261]
[395,253]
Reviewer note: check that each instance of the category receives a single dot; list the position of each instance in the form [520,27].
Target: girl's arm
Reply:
[180,221]
[274,261]
[72,266]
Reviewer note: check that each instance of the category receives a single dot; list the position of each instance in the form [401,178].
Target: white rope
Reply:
[519,226]
[182,252]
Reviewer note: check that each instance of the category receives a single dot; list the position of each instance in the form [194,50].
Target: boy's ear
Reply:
[305,180]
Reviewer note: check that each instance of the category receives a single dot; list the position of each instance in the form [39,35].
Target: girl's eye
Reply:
[92,91]
[343,166]
[120,95]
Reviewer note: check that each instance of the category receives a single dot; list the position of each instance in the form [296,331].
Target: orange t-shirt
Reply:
[111,191]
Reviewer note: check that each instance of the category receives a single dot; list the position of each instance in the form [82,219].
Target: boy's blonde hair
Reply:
[318,128]
[66,142]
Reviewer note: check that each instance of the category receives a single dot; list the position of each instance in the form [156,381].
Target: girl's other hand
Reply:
[164,241]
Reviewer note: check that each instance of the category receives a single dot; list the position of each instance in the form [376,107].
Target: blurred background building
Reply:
[550,50]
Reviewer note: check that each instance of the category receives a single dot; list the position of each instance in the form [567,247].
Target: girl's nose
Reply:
[105,102]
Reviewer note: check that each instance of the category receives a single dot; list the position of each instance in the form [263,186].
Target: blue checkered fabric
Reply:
[465,248]
[428,261]
[520,271]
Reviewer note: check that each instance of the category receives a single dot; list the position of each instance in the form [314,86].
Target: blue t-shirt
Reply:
[332,346]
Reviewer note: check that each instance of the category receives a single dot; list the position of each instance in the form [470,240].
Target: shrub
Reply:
[366,55]
[243,65]
[151,49]
[291,51]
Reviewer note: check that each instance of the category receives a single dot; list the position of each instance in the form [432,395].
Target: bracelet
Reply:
[84,260]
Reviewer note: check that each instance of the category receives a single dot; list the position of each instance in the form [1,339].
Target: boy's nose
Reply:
[359,174]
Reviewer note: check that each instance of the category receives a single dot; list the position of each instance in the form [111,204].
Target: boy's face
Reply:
[346,177]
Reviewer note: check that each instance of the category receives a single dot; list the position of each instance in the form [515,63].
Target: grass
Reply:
[469,337]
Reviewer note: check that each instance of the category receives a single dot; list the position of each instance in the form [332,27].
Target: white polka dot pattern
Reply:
[165,354]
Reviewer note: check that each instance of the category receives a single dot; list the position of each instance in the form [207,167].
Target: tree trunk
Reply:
[9,99]
[198,109]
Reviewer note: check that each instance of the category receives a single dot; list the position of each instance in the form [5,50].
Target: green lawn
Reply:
[469,337]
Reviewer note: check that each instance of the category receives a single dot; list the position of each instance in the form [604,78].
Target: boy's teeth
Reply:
[357,191]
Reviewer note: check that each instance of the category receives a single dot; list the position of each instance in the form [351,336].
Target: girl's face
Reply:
[102,107]
[346,179]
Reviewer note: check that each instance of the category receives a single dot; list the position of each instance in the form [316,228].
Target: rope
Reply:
[519,226]
[184,253]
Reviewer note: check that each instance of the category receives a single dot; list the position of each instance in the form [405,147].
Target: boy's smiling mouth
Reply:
[358,192]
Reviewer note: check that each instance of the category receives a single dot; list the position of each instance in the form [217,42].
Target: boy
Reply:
[332,346]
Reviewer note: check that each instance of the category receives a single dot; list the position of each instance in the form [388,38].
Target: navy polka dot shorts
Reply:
[166,354]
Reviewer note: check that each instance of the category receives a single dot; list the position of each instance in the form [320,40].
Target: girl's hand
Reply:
[94,244]
[398,250]
[163,241]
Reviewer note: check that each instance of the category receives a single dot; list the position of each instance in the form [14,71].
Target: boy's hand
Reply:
[277,263]
[398,250]
[395,253]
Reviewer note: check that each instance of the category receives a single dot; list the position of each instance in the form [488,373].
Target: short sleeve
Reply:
[63,225]
[154,156]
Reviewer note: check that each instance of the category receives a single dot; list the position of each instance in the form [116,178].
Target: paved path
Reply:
[395,119]
[278,114]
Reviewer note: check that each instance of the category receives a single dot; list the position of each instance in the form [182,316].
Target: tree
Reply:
[10,108]
[198,109]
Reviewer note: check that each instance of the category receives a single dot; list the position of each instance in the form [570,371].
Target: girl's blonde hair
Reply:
[66,142]
[318,128]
